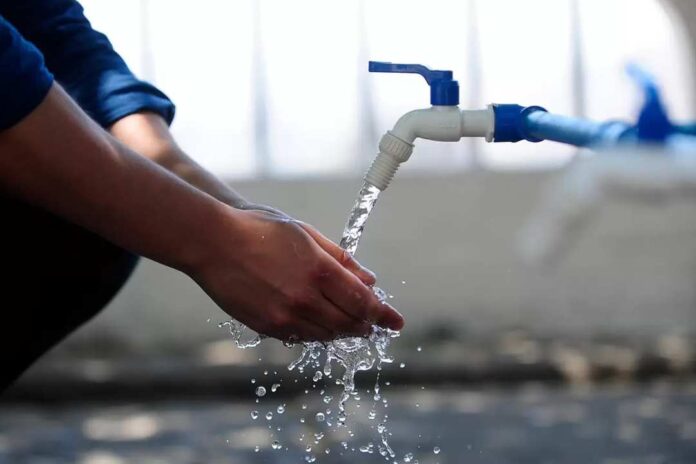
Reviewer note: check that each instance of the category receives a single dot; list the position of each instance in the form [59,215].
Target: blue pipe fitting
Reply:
[510,123]
[654,125]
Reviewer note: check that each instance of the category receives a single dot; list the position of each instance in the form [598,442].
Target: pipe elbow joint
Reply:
[439,123]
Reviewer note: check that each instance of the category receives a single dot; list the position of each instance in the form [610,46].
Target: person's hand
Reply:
[339,254]
[276,276]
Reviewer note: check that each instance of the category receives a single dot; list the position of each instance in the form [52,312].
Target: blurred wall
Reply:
[444,247]
[451,240]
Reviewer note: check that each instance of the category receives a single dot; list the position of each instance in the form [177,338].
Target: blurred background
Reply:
[590,361]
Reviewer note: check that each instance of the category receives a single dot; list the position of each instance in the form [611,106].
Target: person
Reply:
[91,178]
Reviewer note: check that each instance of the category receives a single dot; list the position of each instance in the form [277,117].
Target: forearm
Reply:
[59,159]
[148,134]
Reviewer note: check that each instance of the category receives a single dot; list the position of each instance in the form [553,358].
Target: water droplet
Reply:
[408,457]
[269,415]
[367,448]
[308,449]
[317,376]
[327,451]
[302,420]
[276,446]
[402,365]
[436,450]
[265,372]
[310,458]
[403,282]
[281,409]
[260,391]
[256,449]
[320,417]
[254,415]
[372,415]
[327,399]
[419,349]
[275,387]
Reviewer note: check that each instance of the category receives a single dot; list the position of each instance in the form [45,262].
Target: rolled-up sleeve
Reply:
[84,61]
[24,79]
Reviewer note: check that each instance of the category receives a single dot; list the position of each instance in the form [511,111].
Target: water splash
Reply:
[239,331]
[353,354]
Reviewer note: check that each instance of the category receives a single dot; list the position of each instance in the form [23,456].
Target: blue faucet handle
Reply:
[654,125]
[444,91]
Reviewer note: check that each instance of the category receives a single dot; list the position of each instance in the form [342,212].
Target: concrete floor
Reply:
[651,423]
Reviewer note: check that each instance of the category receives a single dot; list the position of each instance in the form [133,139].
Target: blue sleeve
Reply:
[24,79]
[83,60]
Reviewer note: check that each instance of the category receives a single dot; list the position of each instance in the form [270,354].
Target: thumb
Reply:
[342,256]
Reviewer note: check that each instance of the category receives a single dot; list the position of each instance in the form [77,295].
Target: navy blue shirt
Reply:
[43,40]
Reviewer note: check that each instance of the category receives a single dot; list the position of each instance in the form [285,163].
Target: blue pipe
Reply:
[514,123]
[541,125]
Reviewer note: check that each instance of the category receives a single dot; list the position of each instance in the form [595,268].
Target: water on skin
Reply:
[353,354]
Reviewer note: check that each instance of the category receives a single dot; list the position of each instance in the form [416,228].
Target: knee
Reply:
[105,275]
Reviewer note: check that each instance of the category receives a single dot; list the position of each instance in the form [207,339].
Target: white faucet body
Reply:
[438,123]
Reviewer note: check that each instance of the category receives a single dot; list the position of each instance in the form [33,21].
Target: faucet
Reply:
[442,122]
[651,159]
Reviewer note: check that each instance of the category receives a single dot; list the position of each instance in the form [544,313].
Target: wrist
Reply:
[222,228]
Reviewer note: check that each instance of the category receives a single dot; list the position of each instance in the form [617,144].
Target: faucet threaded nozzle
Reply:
[392,152]
[382,171]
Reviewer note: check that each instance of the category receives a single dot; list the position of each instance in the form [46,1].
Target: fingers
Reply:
[291,324]
[313,319]
[341,255]
[329,316]
[356,300]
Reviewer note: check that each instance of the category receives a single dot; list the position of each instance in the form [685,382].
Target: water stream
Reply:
[353,354]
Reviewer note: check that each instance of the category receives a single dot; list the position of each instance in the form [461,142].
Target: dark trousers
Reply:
[56,276]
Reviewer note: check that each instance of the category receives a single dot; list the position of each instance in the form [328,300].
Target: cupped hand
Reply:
[339,254]
[284,279]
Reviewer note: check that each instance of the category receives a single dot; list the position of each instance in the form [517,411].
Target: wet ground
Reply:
[649,423]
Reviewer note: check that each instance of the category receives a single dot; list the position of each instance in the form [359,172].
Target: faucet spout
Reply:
[438,123]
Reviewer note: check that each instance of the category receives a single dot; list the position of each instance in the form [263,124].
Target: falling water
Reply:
[353,354]
[367,198]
